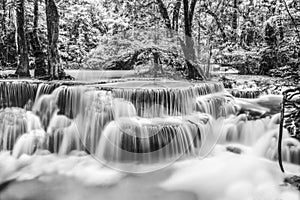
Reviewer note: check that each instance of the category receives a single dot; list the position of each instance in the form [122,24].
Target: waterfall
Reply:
[216,104]
[248,94]
[163,99]
[46,88]
[29,143]
[149,140]
[17,93]
[137,121]
[261,135]
[13,124]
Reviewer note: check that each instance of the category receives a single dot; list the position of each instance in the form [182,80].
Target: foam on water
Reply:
[223,175]
[83,168]
[229,177]
[186,131]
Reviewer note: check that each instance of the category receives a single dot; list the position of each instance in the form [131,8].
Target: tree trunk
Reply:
[188,47]
[4,16]
[235,15]
[3,35]
[219,23]
[40,66]
[23,60]
[54,67]
[164,13]
[176,15]
[189,43]
[192,11]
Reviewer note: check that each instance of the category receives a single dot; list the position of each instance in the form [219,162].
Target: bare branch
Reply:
[292,18]
[164,13]
[192,11]
[216,18]
[176,15]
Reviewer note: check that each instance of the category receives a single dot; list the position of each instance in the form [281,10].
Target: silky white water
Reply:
[187,141]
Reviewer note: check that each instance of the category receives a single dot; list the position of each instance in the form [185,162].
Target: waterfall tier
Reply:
[134,121]
[17,93]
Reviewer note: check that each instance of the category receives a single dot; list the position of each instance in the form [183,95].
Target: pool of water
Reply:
[223,175]
[90,75]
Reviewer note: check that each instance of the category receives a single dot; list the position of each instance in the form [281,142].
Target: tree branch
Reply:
[164,13]
[217,21]
[186,18]
[192,10]
[217,8]
[201,26]
[176,15]
[292,18]
[145,5]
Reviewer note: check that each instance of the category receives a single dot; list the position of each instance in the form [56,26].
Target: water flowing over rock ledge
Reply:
[16,93]
[138,126]
[160,116]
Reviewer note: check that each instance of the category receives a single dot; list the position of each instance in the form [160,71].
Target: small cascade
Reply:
[247,94]
[65,140]
[267,146]
[100,109]
[46,88]
[261,135]
[158,102]
[29,143]
[156,99]
[290,151]
[57,122]
[216,104]
[248,132]
[45,107]
[56,131]
[13,124]
[68,99]
[149,140]
[17,93]
[208,88]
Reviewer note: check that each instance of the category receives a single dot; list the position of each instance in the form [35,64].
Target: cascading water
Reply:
[249,94]
[261,135]
[217,105]
[156,99]
[14,122]
[17,93]
[90,113]
[127,119]
[142,123]
[46,88]
[132,139]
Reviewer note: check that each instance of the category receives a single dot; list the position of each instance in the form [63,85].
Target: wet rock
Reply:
[294,181]
[12,76]
[3,76]
[235,150]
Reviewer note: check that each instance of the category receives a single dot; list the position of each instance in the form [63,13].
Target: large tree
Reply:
[187,43]
[3,34]
[23,60]
[40,65]
[54,66]
[170,23]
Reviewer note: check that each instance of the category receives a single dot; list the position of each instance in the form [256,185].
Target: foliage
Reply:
[80,29]
[130,50]
[288,61]
[294,181]
[245,34]
[246,62]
